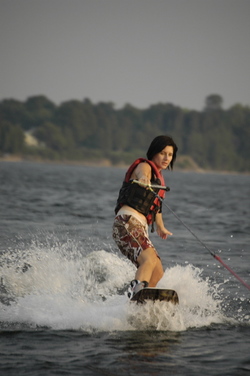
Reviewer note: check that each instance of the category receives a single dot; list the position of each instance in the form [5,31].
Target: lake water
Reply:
[63,308]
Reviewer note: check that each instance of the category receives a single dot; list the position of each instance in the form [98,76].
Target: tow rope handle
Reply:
[151,186]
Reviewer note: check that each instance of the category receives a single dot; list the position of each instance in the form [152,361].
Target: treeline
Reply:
[213,138]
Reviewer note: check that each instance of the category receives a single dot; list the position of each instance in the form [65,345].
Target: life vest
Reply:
[139,198]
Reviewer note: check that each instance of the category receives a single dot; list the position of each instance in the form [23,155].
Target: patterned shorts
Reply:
[131,237]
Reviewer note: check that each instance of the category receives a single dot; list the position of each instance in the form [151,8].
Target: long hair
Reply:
[158,144]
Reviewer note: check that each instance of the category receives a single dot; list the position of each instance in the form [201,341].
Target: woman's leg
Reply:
[157,274]
[150,267]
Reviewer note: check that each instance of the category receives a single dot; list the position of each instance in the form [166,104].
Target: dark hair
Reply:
[158,144]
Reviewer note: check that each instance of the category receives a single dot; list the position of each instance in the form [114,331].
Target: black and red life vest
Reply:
[139,198]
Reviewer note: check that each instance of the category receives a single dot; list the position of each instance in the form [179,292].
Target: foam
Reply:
[66,287]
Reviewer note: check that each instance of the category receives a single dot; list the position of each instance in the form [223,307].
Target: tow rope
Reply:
[218,258]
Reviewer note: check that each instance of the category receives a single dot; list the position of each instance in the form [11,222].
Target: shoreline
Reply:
[107,163]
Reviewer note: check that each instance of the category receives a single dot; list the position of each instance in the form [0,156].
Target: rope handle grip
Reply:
[151,186]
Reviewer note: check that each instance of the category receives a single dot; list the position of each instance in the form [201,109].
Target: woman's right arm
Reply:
[142,173]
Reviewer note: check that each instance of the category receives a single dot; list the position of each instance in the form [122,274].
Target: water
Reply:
[63,310]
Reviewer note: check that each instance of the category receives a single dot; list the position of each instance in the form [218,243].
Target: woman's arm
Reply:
[160,228]
[142,173]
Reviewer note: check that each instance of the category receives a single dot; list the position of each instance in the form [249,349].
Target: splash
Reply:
[63,286]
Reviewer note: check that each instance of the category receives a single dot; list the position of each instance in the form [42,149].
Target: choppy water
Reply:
[62,304]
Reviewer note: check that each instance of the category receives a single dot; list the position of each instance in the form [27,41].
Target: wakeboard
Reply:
[153,293]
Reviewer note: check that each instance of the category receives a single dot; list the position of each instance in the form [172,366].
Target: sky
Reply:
[138,52]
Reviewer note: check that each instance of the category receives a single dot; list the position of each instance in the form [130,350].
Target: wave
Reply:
[64,287]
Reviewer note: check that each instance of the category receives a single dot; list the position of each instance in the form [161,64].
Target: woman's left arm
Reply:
[160,228]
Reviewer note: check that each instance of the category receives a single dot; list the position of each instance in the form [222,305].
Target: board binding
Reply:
[155,294]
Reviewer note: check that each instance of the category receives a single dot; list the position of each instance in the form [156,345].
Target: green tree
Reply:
[73,117]
[239,117]
[11,138]
[40,110]
[214,138]
[52,136]
[213,102]
[14,112]
[106,123]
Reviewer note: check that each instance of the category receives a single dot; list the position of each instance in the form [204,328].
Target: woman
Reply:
[137,207]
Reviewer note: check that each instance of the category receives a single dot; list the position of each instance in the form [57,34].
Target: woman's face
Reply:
[163,158]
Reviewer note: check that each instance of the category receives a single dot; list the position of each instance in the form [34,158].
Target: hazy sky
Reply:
[140,52]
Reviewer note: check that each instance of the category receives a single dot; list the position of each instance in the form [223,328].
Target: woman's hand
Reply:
[144,181]
[160,228]
[163,232]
